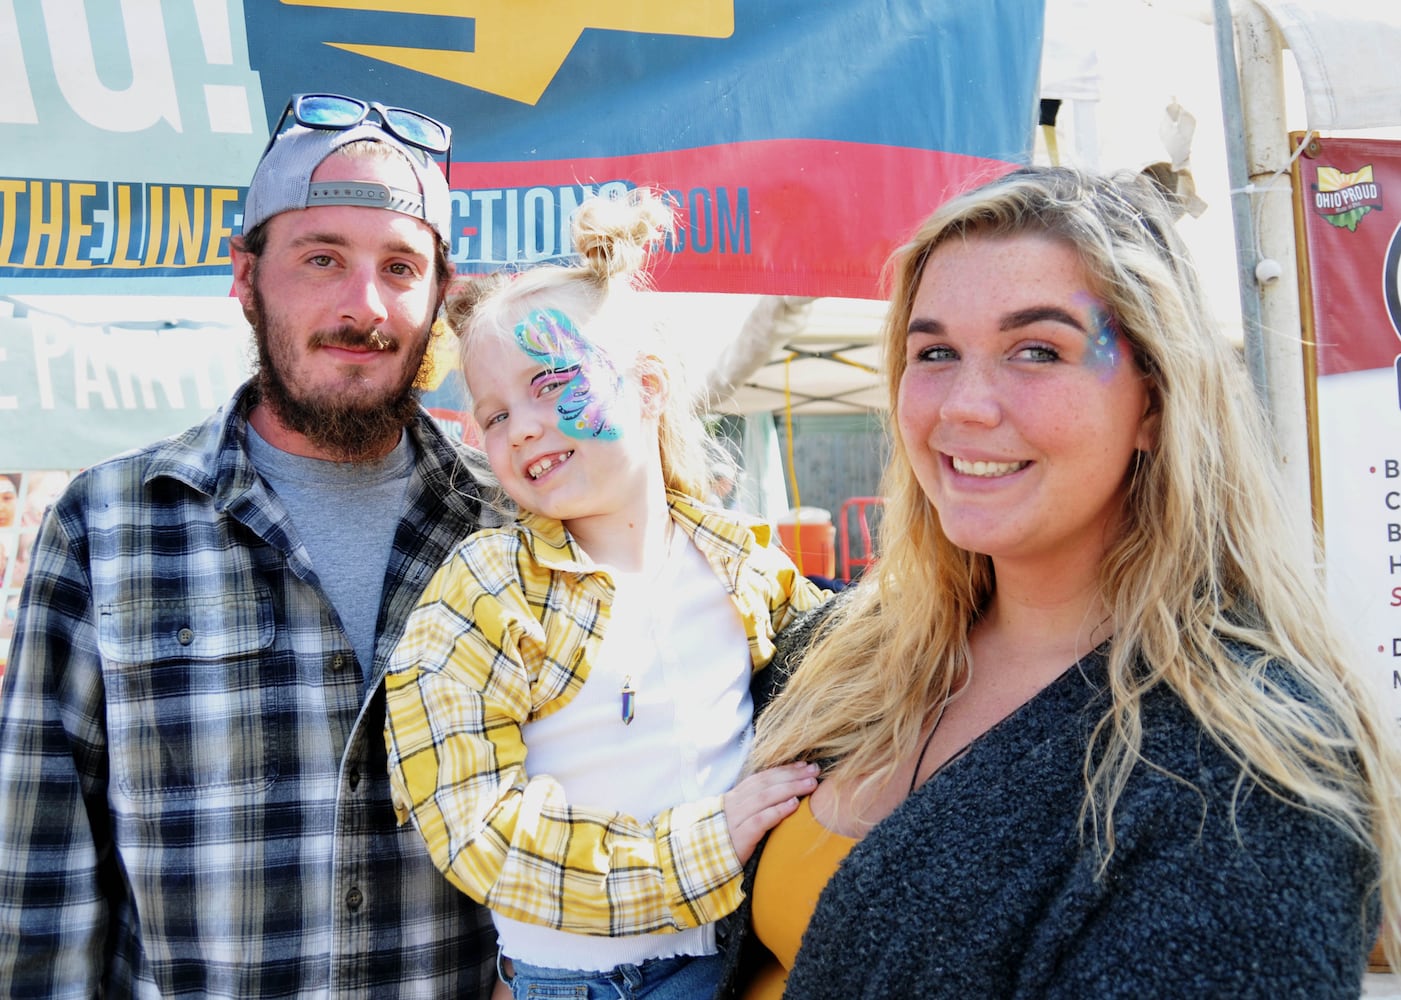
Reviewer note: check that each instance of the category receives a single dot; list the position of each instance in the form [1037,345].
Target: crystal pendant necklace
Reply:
[627,696]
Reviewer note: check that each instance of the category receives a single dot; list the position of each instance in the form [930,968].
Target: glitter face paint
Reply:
[586,401]
[1103,354]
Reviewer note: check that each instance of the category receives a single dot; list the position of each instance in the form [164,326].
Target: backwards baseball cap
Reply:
[322,124]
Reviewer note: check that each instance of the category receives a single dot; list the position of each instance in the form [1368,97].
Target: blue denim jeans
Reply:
[685,977]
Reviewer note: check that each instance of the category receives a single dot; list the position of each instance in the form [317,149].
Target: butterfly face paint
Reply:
[1104,352]
[587,400]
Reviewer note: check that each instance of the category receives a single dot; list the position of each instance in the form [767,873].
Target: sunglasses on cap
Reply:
[337,113]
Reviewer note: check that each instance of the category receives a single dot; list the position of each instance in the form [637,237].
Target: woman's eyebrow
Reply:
[1040,314]
[1012,321]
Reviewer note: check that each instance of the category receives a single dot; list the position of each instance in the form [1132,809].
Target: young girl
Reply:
[569,706]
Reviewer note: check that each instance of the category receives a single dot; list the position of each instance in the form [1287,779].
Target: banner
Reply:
[1349,208]
[71,394]
[799,141]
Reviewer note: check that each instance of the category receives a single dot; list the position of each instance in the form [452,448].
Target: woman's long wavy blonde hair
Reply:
[604,292]
[1202,565]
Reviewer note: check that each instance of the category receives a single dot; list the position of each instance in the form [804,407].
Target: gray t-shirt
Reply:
[345,515]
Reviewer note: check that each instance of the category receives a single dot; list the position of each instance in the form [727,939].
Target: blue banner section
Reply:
[927,74]
[130,129]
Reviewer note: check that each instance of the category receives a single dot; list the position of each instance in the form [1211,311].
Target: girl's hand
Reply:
[759,802]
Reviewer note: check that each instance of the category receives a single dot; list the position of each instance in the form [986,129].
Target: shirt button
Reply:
[185,636]
[338,661]
[354,778]
[354,898]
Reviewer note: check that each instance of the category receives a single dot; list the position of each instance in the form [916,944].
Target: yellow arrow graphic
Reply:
[521,44]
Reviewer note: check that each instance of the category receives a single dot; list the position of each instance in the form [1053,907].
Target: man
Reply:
[193,797]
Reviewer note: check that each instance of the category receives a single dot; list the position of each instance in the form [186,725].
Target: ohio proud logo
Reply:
[1342,199]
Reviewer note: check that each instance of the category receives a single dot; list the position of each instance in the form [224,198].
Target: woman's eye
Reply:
[936,352]
[1039,352]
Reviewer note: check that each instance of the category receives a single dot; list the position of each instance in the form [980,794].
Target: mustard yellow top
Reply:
[799,858]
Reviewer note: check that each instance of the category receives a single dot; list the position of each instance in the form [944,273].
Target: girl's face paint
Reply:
[589,397]
[1103,351]
[589,470]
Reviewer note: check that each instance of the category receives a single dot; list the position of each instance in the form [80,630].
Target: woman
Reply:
[1087,731]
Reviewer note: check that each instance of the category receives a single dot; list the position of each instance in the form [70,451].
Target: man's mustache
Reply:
[355,340]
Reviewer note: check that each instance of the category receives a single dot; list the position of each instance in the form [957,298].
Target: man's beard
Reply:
[351,427]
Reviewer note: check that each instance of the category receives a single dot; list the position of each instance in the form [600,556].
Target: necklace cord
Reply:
[919,761]
[924,750]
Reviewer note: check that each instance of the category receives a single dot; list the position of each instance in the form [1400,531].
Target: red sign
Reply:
[1351,200]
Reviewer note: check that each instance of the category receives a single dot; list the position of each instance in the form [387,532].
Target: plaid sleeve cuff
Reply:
[703,874]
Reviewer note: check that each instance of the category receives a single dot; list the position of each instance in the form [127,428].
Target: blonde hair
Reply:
[1197,577]
[604,294]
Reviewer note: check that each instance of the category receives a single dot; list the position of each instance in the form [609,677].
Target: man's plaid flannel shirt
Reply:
[193,797]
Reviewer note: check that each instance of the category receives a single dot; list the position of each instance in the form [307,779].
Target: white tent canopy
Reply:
[802,355]
[1346,54]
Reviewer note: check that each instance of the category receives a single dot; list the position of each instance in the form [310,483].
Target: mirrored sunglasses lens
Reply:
[418,129]
[325,109]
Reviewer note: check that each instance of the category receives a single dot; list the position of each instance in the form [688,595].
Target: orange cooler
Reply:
[809,537]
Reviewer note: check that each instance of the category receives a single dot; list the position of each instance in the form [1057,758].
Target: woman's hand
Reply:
[761,801]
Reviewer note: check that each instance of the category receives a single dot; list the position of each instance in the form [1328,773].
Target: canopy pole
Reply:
[1232,114]
[1258,159]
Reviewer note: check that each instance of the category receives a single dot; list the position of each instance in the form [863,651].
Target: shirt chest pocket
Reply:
[192,703]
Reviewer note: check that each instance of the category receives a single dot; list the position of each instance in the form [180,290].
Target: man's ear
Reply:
[245,266]
[655,385]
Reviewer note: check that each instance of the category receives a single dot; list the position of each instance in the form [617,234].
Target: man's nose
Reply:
[362,302]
